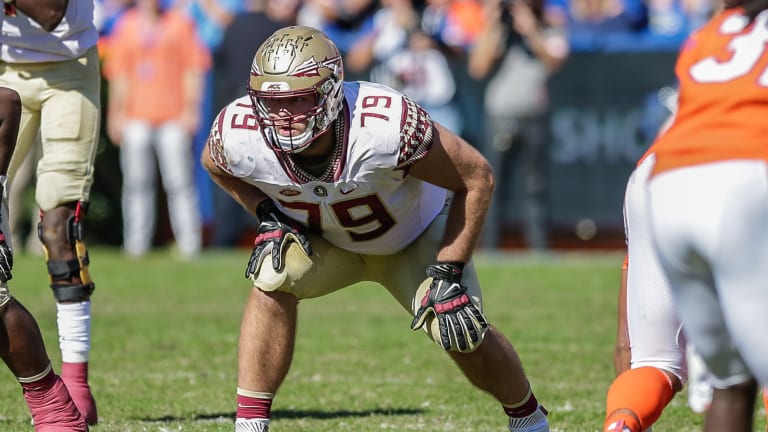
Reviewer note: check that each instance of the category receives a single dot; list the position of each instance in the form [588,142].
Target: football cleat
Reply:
[251,425]
[699,387]
[536,422]
[618,426]
[75,377]
[54,411]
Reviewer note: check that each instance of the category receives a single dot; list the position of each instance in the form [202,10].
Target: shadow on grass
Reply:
[296,414]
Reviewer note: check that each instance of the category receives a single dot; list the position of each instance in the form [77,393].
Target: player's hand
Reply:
[6,259]
[272,237]
[461,323]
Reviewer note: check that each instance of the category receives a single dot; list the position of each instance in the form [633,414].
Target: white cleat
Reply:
[699,387]
[251,425]
[536,422]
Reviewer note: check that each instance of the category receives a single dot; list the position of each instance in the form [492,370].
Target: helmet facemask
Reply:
[295,62]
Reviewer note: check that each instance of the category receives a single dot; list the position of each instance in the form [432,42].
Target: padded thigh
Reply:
[400,273]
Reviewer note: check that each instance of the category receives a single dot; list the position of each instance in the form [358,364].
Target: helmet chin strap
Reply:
[295,144]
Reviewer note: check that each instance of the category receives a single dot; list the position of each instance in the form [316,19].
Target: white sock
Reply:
[74,321]
[251,425]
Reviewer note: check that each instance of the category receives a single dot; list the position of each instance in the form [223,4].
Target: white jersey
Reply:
[23,40]
[365,202]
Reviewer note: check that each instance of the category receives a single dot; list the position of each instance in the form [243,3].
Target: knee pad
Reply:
[297,264]
[69,278]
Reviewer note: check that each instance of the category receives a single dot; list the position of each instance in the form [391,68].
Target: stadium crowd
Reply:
[424,48]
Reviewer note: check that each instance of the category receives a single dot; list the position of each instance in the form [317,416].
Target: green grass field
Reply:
[165,339]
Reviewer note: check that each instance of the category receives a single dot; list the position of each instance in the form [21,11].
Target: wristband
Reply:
[458,264]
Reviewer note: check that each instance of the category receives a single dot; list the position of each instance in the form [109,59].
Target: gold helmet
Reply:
[292,62]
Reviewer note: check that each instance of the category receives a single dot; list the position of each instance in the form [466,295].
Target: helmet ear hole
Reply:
[297,61]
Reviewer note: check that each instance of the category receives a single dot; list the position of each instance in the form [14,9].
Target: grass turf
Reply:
[165,340]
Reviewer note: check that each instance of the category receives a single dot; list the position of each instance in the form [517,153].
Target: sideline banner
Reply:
[606,110]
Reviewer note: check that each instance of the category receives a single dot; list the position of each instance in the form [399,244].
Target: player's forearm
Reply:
[465,223]
[47,13]
[485,52]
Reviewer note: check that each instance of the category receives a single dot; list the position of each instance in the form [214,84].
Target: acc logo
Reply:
[275,86]
[289,192]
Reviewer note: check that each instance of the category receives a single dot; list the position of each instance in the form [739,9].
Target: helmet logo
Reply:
[275,86]
[311,67]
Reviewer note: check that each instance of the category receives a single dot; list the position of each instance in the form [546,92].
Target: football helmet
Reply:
[296,61]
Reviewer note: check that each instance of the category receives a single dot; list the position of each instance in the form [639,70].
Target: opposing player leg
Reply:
[638,396]
[268,327]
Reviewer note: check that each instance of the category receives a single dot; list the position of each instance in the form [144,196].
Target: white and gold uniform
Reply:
[375,222]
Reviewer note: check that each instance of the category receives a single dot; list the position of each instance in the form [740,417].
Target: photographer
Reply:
[516,53]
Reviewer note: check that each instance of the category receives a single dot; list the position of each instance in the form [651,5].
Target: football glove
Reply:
[461,324]
[275,232]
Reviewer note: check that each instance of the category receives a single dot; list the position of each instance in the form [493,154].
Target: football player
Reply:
[49,56]
[706,201]
[352,181]
[21,344]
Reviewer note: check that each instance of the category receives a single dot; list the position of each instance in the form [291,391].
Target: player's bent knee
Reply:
[297,265]
[61,232]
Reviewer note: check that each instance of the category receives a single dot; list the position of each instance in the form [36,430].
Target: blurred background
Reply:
[562,96]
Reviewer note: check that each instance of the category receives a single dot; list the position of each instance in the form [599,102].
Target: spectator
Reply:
[404,57]
[593,24]
[242,38]
[455,23]
[156,67]
[676,19]
[516,53]
[211,18]
[344,21]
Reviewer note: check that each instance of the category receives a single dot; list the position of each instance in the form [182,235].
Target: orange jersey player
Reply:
[707,202]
